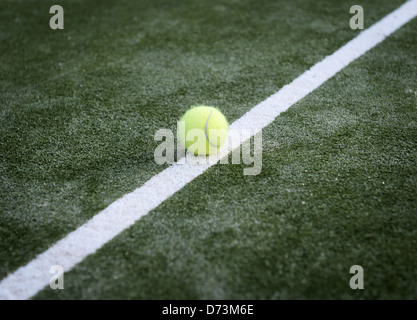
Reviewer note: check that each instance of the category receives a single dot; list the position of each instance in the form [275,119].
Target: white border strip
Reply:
[26,281]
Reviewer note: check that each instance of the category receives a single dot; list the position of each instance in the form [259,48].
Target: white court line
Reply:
[72,249]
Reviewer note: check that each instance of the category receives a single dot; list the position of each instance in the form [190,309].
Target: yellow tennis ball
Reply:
[203,130]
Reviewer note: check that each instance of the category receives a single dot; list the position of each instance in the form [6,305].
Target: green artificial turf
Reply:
[80,106]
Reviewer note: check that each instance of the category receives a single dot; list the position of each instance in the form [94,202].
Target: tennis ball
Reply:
[203,130]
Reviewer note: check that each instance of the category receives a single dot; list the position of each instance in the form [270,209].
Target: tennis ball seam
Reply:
[205,130]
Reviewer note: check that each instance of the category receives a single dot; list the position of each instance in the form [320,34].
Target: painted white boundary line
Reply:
[72,249]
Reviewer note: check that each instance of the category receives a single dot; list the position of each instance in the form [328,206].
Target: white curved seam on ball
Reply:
[205,130]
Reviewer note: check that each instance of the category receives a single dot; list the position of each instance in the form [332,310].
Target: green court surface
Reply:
[338,186]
